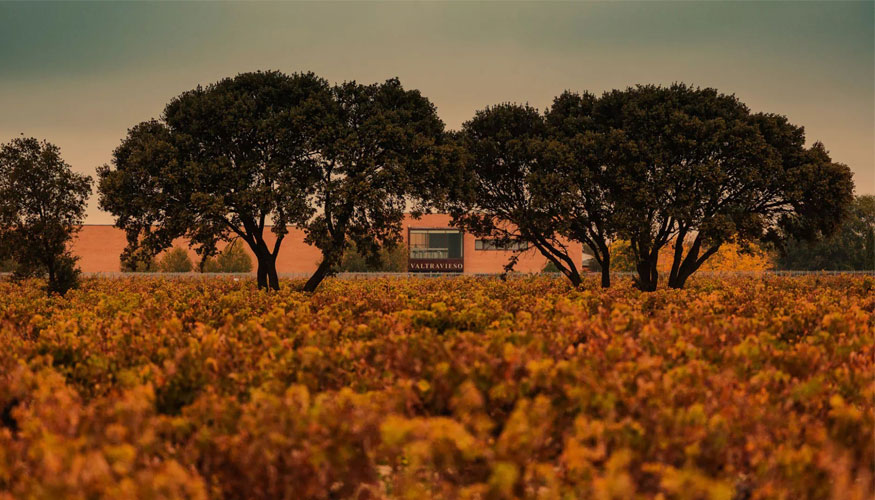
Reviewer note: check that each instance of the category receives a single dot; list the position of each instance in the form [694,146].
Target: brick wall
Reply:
[99,247]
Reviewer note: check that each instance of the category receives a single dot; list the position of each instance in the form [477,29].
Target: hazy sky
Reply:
[80,74]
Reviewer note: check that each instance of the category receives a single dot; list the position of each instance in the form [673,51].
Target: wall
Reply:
[99,247]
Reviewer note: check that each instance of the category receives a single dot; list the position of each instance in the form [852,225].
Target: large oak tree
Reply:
[377,155]
[507,189]
[695,168]
[263,151]
[651,165]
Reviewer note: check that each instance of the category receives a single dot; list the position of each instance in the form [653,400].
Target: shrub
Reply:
[392,260]
[550,267]
[149,266]
[175,261]
[63,278]
[232,259]
[66,275]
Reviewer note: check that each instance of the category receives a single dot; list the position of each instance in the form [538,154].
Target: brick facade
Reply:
[99,247]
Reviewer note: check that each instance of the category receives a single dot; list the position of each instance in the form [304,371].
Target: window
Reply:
[435,244]
[516,246]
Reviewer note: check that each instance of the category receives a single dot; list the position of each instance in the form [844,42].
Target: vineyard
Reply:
[735,388]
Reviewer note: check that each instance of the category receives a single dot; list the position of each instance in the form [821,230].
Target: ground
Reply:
[753,387]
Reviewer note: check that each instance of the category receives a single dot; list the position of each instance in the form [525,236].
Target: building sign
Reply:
[435,265]
[435,250]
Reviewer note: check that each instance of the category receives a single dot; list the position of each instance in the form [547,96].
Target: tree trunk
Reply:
[688,267]
[678,255]
[606,270]
[272,276]
[683,268]
[321,272]
[570,272]
[648,276]
[266,272]
[574,277]
[685,271]
[691,264]
[680,280]
[51,269]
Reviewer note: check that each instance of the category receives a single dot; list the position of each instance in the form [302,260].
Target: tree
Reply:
[851,248]
[377,153]
[339,163]
[621,261]
[539,179]
[175,261]
[695,167]
[508,189]
[222,163]
[232,259]
[42,205]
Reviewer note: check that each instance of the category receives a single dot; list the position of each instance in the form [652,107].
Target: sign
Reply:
[435,265]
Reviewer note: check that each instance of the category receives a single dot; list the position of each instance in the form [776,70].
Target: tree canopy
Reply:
[42,206]
[677,166]
[263,151]
[233,159]
[377,153]
[650,165]
[694,167]
[507,189]
[581,183]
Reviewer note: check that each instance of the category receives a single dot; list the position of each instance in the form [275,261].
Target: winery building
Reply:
[433,246]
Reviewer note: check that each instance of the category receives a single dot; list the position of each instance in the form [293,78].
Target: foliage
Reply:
[229,159]
[232,259]
[377,154]
[623,260]
[852,247]
[225,162]
[66,275]
[42,206]
[175,260]
[7,265]
[734,257]
[507,187]
[581,185]
[388,260]
[697,167]
[443,388]
[550,267]
[650,165]
[149,265]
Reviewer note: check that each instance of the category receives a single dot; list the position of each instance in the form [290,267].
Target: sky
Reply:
[80,74]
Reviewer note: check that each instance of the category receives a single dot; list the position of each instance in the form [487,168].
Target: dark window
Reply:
[490,244]
[435,244]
